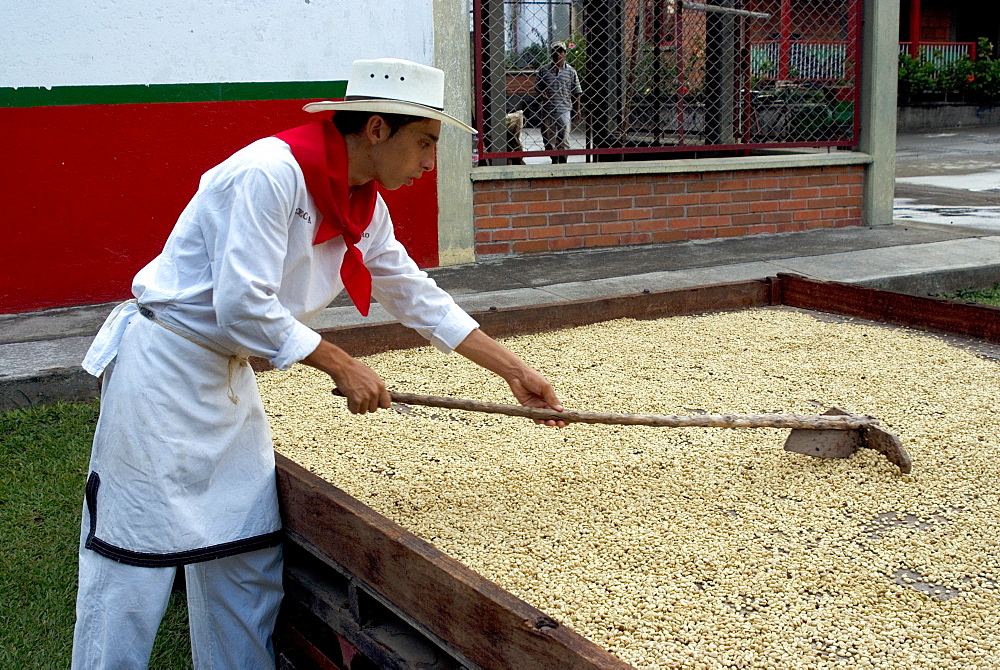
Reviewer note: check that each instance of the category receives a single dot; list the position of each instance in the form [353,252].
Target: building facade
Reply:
[111,111]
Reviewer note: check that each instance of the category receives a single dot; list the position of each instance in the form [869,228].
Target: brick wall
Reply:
[554,214]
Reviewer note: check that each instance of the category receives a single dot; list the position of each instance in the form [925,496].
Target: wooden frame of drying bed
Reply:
[349,568]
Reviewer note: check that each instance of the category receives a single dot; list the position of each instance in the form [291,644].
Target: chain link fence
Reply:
[656,76]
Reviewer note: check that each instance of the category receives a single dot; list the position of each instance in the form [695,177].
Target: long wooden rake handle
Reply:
[806,422]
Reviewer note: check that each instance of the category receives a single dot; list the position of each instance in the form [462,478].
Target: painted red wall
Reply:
[90,192]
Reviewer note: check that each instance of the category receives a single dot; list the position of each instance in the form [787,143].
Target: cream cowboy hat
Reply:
[393,86]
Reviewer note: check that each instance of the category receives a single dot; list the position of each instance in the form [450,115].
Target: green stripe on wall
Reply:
[131,94]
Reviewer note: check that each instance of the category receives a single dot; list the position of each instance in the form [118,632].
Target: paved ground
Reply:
[930,249]
[949,177]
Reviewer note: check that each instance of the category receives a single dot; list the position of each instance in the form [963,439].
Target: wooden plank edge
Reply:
[529,320]
[491,626]
[365,340]
[900,309]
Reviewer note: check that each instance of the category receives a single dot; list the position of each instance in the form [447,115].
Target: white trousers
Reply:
[232,606]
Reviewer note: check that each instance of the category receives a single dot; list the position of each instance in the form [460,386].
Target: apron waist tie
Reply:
[234,360]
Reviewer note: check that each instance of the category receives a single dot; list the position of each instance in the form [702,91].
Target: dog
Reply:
[515,124]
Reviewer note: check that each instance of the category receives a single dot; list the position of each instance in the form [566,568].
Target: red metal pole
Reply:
[854,9]
[745,71]
[477,41]
[915,28]
[681,81]
[785,36]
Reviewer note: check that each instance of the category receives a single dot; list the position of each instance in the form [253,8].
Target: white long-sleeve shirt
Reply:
[240,269]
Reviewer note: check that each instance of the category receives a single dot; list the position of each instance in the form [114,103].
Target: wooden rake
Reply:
[834,434]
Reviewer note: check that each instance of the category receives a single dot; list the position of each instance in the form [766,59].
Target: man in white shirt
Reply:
[182,469]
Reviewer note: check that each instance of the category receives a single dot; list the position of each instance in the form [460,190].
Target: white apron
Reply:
[180,473]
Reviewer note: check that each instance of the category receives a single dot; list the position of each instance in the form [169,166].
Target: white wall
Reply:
[108,42]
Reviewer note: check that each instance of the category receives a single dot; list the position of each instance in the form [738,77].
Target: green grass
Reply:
[44,453]
[986,296]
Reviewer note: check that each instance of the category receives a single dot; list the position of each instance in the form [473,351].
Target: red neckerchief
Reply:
[321,153]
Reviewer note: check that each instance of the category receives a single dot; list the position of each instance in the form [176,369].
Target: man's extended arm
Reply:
[529,387]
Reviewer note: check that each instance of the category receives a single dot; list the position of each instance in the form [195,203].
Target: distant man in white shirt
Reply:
[182,468]
[559,90]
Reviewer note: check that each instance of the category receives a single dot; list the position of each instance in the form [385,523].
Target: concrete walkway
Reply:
[40,352]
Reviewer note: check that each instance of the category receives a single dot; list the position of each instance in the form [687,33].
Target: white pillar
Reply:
[879,49]
[452,44]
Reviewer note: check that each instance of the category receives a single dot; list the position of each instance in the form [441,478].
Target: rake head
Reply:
[843,443]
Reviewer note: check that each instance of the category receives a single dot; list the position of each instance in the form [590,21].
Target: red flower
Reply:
[972,77]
